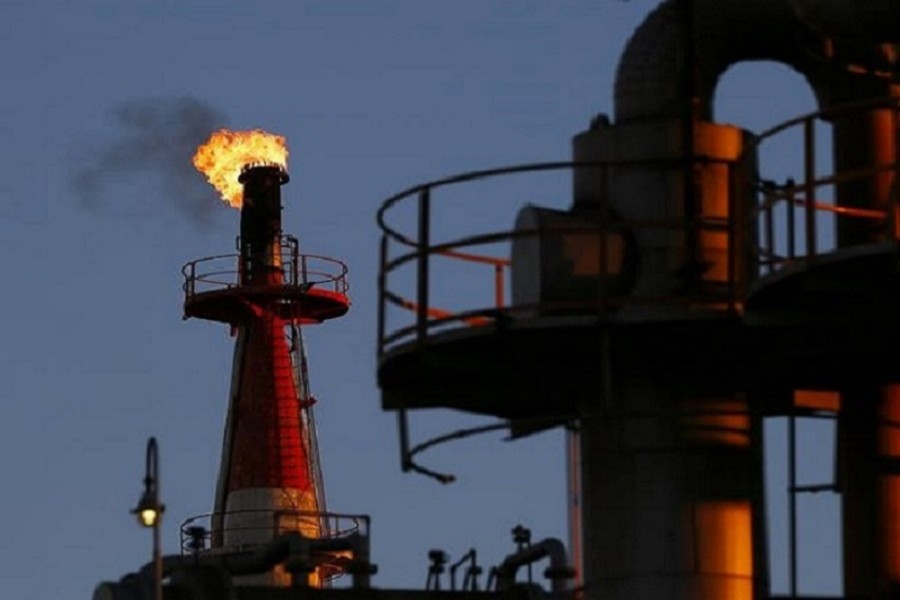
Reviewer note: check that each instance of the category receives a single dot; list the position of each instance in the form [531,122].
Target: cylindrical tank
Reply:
[671,475]
[671,478]
[671,488]
[641,191]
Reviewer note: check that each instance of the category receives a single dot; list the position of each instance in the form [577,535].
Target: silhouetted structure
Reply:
[681,300]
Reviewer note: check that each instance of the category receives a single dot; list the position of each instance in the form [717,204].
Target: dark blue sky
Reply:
[99,209]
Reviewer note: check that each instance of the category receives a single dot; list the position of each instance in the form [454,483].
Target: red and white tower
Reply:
[269,479]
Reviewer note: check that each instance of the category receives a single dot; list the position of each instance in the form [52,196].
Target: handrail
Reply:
[462,178]
[331,525]
[447,250]
[422,248]
[803,194]
[497,262]
[300,270]
[787,192]
[470,176]
[419,249]
[824,114]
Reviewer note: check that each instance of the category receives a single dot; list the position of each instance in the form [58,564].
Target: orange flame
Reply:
[226,152]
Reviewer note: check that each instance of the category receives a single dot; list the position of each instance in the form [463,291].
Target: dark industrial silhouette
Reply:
[681,300]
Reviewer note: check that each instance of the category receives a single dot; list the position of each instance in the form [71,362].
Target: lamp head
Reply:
[149,510]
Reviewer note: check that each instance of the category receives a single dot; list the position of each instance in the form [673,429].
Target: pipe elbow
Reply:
[559,571]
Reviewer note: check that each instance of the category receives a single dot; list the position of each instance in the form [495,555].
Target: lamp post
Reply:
[149,511]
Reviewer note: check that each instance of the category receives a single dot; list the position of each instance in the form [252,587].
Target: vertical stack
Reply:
[265,483]
[269,480]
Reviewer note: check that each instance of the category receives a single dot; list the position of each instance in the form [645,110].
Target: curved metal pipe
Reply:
[651,82]
[559,572]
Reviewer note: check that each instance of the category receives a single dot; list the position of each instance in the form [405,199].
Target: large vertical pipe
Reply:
[573,481]
[260,241]
[889,488]
[639,472]
[865,140]
[869,478]
[671,480]
[669,490]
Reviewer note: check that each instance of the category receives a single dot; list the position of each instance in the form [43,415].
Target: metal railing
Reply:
[223,272]
[784,206]
[418,250]
[755,233]
[197,532]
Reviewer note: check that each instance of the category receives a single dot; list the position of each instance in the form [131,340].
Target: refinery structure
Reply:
[682,299]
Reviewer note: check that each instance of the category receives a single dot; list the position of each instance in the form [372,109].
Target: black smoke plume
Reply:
[153,142]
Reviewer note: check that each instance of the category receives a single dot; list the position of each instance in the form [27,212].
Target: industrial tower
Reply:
[269,479]
[681,300]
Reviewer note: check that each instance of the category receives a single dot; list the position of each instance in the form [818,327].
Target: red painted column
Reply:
[266,486]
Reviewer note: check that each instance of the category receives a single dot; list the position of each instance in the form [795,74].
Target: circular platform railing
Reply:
[434,302]
[206,532]
[789,217]
[222,272]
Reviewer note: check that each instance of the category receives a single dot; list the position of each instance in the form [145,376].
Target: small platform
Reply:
[825,324]
[833,321]
[294,303]
[306,289]
[549,367]
[854,286]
